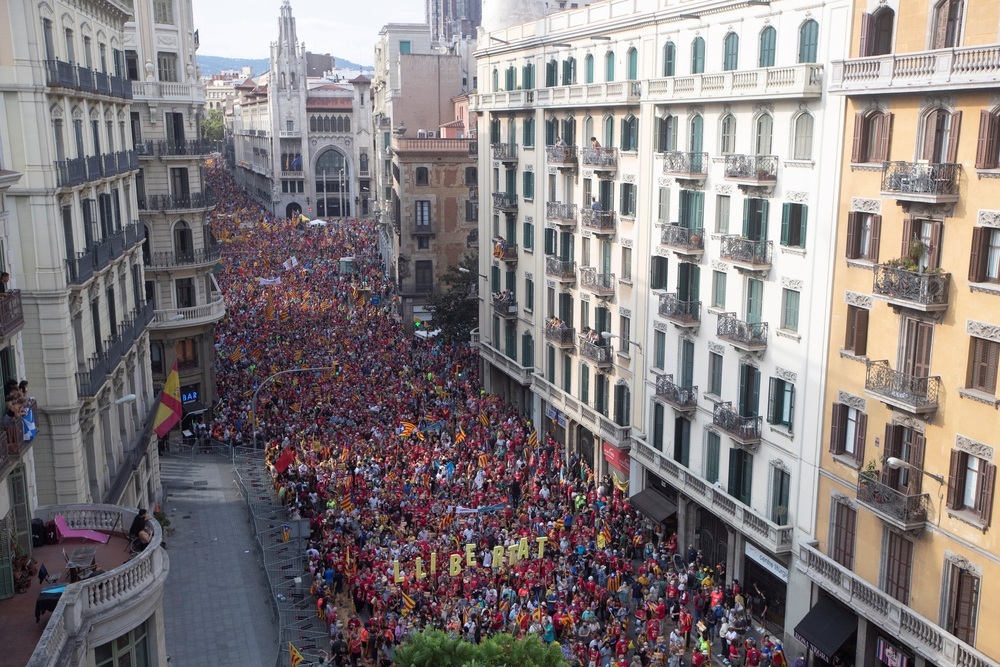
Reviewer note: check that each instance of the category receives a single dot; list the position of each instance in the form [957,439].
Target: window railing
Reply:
[192,147]
[11,313]
[177,202]
[679,162]
[741,333]
[104,362]
[744,429]
[59,74]
[903,509]
[918,393]
[504,152]
[561,212]
[918,178]
[560,268]
[145,148]
[560,335]
[746,251]
[505,201]
[598,221]
[94,167]
[760,168]
[505,304]
[168,259]
[685,312]
[675,394]
[71,172]
[925,289]
[599,283]
[561,154]
[596,352]
[683,238]
[600,158]
[103,252]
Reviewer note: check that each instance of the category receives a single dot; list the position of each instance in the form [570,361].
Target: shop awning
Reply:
[826,627]
[654,504]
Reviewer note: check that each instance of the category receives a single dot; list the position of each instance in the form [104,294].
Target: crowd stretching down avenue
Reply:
[431,503]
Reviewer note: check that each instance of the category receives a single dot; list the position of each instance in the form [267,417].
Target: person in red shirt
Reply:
[686,621]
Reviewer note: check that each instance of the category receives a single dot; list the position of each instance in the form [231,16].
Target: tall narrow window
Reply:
[897,566]
[763,133]
[698,56]
[947,23]
[588,67]
[843,529]
[163,11]
[609,66]
[727,134]
[632,58]
[963,603]
[802,145]
[731,52]
[808,41]
[167,66]
[876,32]
[768,41]
[669,59]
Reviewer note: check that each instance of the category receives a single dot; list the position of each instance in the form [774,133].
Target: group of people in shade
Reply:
[432,504]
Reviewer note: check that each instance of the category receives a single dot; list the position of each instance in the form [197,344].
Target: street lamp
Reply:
[607,335]
[127,398]
[897,463]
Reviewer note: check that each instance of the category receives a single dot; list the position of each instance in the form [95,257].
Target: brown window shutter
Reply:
[859,438]
[917,447]
[986,492]
[992,361]
[986,146]
[930,135]
[861,332]
[889,476]
[884,134]
[907,236]
[857,150]
[934,252]
[853,234]
[867,33]
[837,428]
[953,129]
[956,477]
[876,232]
[977,260]
[852,314]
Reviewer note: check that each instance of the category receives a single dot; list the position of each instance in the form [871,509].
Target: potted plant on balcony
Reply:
[871,470]
[695,240]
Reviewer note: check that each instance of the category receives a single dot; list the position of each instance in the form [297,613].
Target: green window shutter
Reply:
[804,216]
[747,208]
[786,213]
[773,402]
[495,279]
[585,384]
[764,207]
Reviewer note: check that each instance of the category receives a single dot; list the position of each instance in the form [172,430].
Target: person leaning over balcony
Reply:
[594,143]
[4,279]
[594,204]
[559,142]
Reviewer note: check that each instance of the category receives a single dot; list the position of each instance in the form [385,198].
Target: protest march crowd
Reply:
[431,503]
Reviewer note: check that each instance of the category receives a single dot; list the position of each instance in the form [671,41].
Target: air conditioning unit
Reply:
[431,134]
[421,134]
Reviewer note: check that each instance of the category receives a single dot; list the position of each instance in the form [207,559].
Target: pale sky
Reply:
[343,28]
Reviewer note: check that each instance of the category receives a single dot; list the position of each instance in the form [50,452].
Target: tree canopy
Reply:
[433,648]
[212,125]
[456,309]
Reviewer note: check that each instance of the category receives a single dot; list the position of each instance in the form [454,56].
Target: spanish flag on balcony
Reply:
[170,410]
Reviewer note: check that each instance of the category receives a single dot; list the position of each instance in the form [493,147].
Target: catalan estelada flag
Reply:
[460,436]
[409,604]
[294,654]
[408,429]
[533,438]
[170,410]
[606,532]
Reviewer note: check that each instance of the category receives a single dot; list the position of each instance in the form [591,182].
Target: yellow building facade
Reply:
[907,557]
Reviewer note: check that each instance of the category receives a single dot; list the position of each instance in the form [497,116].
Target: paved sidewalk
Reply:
[217,604]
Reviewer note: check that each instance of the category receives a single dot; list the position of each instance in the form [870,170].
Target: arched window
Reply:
[697,137]
[569,131]
[551,131]
[609,131]
[588,128]
[872,130]
[183,242]
[947,24]
[326,124]
[669,59]
[803,137]
[763,131]
[731,54]
[496,80]
[528,132]
[569,71]
[727,134]
[363,163]
[282,81]
[876,32]
[630,133]
[312,123]
[698,55]
[632,57]
[808,41]
[292,80]
[528,76]
[666,133]
[146,253]
[471,176]
[347,124]
[422,176]
[609,66]
[940,136]
[338,124]
[495,131]
[588,66]
[768,42]
[510,78]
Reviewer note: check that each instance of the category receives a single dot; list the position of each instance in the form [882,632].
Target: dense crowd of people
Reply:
[431,502]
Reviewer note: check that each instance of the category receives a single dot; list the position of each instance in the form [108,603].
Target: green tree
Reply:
[456,309]
[433,648]
[212,126]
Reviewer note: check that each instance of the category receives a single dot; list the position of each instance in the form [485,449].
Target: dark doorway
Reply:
[713,538]
[293,210]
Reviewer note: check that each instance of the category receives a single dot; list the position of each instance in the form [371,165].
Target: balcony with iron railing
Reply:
[746,253]
[600,159]
[686,166]
[915,394]
[681,398]
[922,182]
[186,148]
[71,172]
[905,512]
[752,169]
[178,318]
[104,362]
[602,355]
[506,252]
[683,240]
[927,292]
[506,153]
[100,255]
[560,269]
[13,445]
[745,430]
[184,258]
[564,157]
[11,313]
[505,305]
[560,335]
[562,215]
[505,202]
[776,538]
[601,284]
[952,68]
[171,203]
[59,74]
[604,223]
[680,312]
[743,335]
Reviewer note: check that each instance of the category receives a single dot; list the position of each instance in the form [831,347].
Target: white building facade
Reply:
[665,284]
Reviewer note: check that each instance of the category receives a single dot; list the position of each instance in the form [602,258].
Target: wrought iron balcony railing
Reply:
[681,312]
[505,152]
[192,147]
[752,168]
[683,239]
[504,304]
[599,158]
[922,291]
[600,222]
[746,252]
[71,172]
[679,163]
[913,393]
[920,181]
[11,313]
[744,429]
[598,283]
[560,335]
[561,213]
[682,398]
[59,74]
[560,268]
[162,260]
[561,155]
[177,202]
[102,253]
[749,336]
[903,511]
[145,148]
[505,201]
[602,355]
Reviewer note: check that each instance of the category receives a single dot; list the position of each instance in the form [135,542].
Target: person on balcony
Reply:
[594,143]
[141,529]
[560,143]
[4,279]
[499,247]
[595,205]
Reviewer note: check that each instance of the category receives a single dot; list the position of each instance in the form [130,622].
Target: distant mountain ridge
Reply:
[215,64]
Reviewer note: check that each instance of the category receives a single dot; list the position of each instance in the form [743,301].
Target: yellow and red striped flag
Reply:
[483,419]
[409,604]
[606,532]
[169,412]
[236,355]
[460,436]
[484,460]
[346,505]
[408,429]
[294,654]
[533,438]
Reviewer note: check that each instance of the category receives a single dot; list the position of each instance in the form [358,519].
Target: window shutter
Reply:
[860,332]
[658,135]
[773,415]
[986,492]
[985,159]
[790,408]
[992,361]
[977,262]
[786,211]
[837,428]
[907,236]
[857,150]
[876,231]
[993,141]
[934,258]
[955,478]
[917,446]
[884,134]
[891,449]
[765,206]
[860,433]
[755,397]
[746,218]
[867,33]
[853,235]
[803,220]
[953,128]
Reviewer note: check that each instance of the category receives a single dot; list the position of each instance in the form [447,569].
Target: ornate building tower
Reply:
[287,97]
